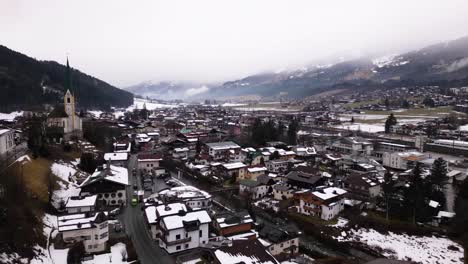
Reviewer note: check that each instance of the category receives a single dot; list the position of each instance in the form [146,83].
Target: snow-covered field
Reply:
[63,171]
[67,188]
[11,116]
[118,252]
[362,127]
[140,103]
[404,247]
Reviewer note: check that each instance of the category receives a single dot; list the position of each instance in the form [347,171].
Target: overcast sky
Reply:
[127,42]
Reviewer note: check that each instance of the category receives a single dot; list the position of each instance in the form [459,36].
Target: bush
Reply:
[76,253]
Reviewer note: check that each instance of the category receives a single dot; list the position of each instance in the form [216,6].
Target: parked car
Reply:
[118,227]
[114,212]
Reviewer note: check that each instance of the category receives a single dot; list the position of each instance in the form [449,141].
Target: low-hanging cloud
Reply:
[456,65]
[195,91]
[127,42]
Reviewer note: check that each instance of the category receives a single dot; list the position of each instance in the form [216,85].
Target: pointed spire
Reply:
[68,81]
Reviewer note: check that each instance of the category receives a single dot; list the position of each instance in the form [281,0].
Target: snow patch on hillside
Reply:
[405,247]
[10,116]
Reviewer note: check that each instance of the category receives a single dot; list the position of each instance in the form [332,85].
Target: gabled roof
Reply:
[303,177]
[115,174]
[244,251]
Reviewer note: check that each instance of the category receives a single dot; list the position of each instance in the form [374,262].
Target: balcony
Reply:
[175,242]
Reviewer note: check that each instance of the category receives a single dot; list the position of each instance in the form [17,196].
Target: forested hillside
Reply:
[28,83]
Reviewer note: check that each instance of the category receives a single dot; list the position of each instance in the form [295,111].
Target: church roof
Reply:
[59,111]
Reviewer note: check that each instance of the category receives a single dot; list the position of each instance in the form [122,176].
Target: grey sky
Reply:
[126,42]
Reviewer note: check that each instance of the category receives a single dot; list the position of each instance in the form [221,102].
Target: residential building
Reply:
[234,170]
[81,204]
[109,184]
[402,160]
[148,162]
[222,151]
[154,213]
[280,243]
[353,145]
[91,229]
[244,251]
[192,197]
[363,186]
[325,203]
[232,223]
[117,158]
[184,231]
[303,179]
[257,189]
[282,191]
[7,141]
[252,173]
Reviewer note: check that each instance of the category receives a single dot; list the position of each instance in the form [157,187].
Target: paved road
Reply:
[135,226]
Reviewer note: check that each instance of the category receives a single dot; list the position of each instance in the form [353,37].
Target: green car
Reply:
[134,202]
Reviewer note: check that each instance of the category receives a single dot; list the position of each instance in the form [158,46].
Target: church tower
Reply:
[69,99]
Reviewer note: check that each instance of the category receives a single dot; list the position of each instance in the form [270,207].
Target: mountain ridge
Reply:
[28,83]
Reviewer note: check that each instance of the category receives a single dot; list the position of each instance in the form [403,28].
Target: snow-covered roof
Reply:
[170,209]
[181,149]
[114,174]
[81,201]
[234,165]
[116,156]
[222,145]
[4,131]
[177,221]
[256,169]
[185,193]
[328,193]
[76,221]
[150,213]
[434,204]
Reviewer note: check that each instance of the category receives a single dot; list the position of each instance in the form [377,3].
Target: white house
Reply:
[222,150]
[254,189]
[325,203]
[108,184]
[192,197]
[81,204]
[117,158]
[402,160]
[92,230]
[186,230]
[148,162]
[7,141]
[155,212]
[253,172]
[181,153]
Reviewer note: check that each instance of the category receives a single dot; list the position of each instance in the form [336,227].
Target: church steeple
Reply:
[68,81]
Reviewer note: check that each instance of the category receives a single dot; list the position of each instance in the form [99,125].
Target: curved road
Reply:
[135,226]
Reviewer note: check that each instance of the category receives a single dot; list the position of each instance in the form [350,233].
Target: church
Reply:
[63,123]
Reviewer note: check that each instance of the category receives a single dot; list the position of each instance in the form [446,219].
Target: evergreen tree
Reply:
[429,102]
[280,130]
[414,193]
[198,147]
[460,223]
[390,122]
[292,132]
[275,155]
[438,173]
[388,189]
